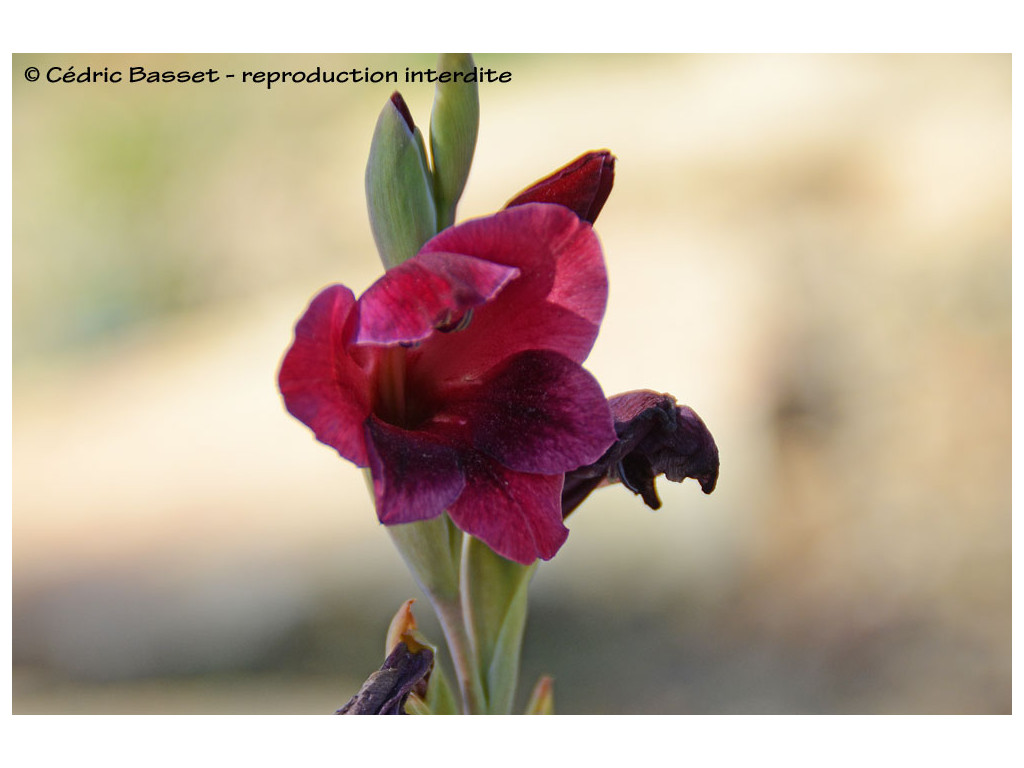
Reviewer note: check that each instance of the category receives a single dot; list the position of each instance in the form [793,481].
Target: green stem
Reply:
[460,646]
[433,549]
[480,599]
[494,596]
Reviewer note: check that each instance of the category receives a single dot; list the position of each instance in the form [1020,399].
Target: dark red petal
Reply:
[539,412]
[428,290]
[655,437]
[415,477]
[582,186]
[555,303]
[517,515]
[321,385]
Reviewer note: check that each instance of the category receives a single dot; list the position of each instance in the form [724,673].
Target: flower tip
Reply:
[704,462]
[606,179]
[454,124]
[708,482]
[542,700]
[403,109]
[582,186]
[401,627]
[399,190]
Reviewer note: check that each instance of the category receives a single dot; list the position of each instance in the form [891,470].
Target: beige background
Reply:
[811,251]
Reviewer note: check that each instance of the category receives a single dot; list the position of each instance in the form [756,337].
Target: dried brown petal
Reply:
[386,690]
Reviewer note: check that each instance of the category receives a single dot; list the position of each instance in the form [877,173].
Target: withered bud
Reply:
[656,437]
[386,690]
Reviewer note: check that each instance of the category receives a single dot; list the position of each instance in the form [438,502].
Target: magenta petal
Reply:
[557,253]
[415,477]
[555,303]
[517,515]
[425,292]
[321,385]
[539,412]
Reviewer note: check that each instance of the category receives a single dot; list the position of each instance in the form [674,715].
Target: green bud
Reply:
[542,700]
[454,122]
[398,186]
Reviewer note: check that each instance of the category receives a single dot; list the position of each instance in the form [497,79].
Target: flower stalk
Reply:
[494,605]
[479,598]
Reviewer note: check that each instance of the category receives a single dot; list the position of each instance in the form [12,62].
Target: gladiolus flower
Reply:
[457,378]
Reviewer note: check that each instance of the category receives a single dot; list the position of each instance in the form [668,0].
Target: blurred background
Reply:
[811,251]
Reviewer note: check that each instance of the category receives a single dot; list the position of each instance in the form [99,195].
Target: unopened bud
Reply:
[454,122]
[582,186]
[399,193]
[542,700]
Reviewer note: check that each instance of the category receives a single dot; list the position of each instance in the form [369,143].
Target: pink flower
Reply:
[456,377]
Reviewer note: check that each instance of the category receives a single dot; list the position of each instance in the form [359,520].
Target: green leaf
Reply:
[494,600]
[454,123]
[414,705]
[503,672]
[440,699]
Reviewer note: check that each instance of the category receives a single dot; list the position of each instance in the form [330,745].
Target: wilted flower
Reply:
[385,692]
[456,377]
[655,437]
